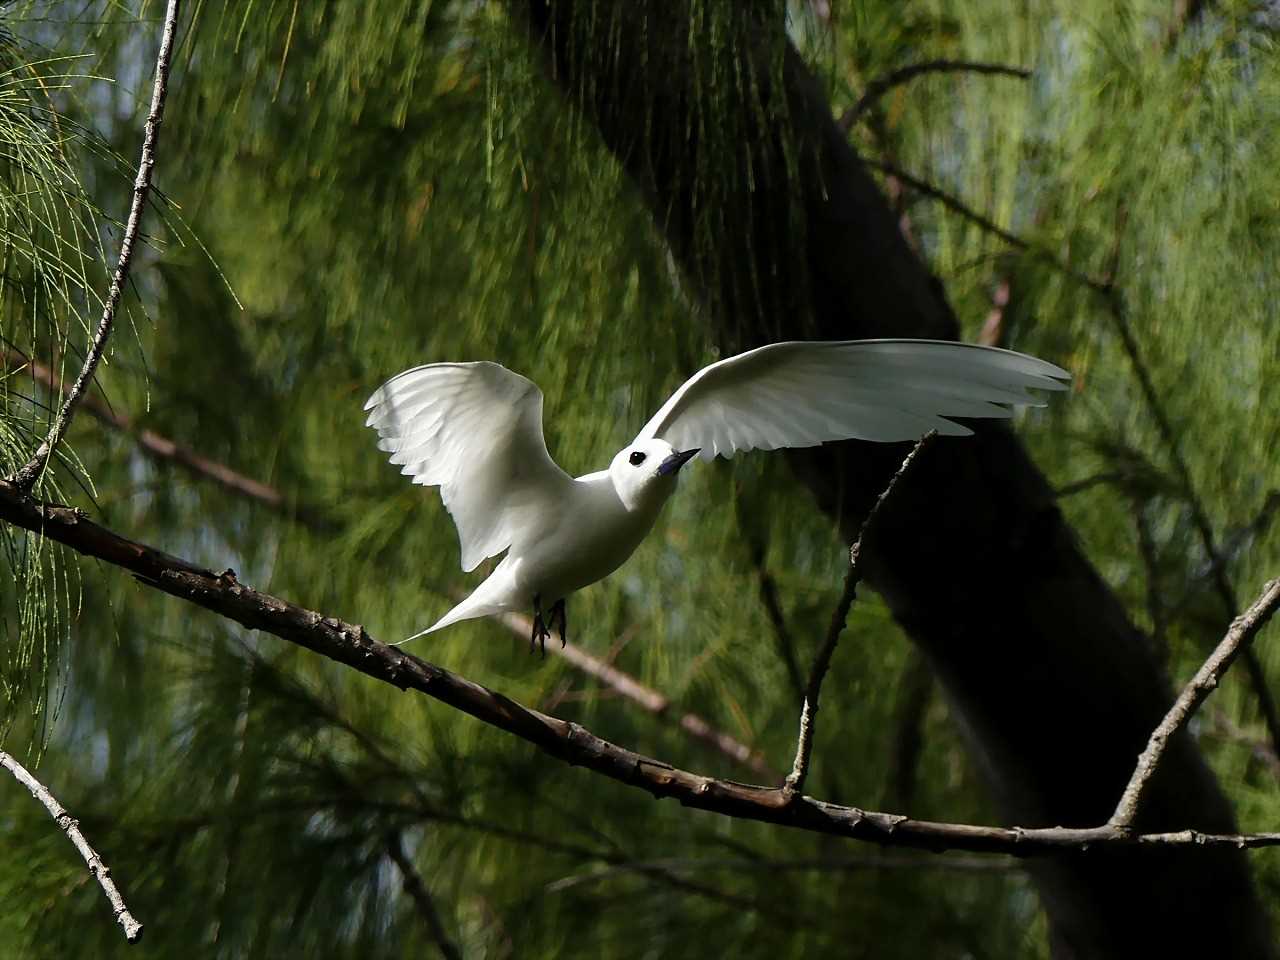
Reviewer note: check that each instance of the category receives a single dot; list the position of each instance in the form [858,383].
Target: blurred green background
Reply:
[350,189]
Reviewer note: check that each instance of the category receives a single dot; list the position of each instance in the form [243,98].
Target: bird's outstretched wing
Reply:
[474,430]
[803,393]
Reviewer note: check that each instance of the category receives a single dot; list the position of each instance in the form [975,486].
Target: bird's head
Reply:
[644,473]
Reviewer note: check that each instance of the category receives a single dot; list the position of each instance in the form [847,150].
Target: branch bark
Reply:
[1242,631]
[30,472]
[71,827]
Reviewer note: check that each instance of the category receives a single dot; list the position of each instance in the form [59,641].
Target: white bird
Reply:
[475,431]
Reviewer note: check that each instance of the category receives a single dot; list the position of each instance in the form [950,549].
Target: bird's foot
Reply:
[538,635]
[558,611]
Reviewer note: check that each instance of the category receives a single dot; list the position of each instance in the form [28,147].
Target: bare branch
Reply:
[164,449]
[783,640]
[879,87]
[71,827]
[794,783]
[351,645]
[1199,515]
[417,890]
[26,476]
[1243,629]
[654,701]
[954,204]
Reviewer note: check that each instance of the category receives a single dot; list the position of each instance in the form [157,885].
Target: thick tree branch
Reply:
[1243,629]
[28,474]
[878,88]
[822,662]
[71,827]
[351,645]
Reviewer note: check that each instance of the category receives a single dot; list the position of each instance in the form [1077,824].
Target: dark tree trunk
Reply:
[733,140]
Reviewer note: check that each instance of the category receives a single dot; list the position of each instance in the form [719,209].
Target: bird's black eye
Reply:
[636,458]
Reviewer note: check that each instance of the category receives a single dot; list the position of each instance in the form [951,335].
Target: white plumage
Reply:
[475,430]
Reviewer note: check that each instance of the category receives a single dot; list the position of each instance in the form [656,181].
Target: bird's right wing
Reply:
[475,431]
[803,393]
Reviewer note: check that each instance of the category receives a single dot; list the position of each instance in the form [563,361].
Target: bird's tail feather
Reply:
[476,605]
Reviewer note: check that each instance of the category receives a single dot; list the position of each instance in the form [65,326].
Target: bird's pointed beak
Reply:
[676,461]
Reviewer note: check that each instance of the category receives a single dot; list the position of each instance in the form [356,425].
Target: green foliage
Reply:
[372,192]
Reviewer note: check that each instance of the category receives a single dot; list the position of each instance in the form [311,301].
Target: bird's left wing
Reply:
[474,430]
[803,393]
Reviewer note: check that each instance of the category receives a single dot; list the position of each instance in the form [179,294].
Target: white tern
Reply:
[475,431]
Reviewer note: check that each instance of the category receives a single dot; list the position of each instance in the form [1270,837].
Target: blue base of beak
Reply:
[676,461]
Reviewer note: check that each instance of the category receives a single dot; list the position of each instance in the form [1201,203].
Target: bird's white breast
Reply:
[591,537]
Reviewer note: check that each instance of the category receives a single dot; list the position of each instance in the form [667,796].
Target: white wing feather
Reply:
[475,431]
[803,393]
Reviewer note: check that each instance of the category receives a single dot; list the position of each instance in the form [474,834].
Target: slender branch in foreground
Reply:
[26,476]
[422,898]
[1199,515]
[794,783]
[165,449]
[783,641]
[351,645]
[655,702]
[879,87]
[1243,629]
[71,827]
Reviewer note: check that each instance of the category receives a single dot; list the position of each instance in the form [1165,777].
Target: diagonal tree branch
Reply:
[1243,629]
[654,701]
[167,450]
[794,783]
[351,645]
[27,475]
[71,827]
[878,88]
[422,898]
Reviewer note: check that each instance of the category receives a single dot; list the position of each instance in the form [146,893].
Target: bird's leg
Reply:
[540,632]
[558,610]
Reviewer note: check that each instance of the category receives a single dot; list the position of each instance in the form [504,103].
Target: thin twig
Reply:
[783,641]
[879,87]
[794,783]
[71,827]
[27,475]
[421,897]
[1151,565]
[956,205]
[351,645]
[648,698]
[1199,515]
[163,448]
[1243,629]
[1200,520]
